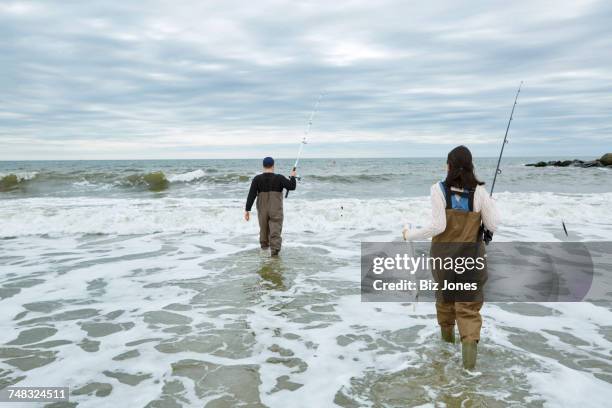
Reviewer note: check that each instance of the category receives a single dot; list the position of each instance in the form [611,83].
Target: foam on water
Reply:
[292,329]
[21,175]
[526,215]
[186,177]
[168,300]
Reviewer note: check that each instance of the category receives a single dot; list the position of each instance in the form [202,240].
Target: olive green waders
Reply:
[270,216]
[462,228]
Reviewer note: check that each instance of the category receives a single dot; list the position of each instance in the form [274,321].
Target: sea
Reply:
[139,284]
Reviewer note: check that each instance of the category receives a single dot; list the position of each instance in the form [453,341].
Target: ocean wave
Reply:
[158,181]
[153,181]
[524,215]
[226,178]
[22,175]
[187,177]
[12,181]
[203,176]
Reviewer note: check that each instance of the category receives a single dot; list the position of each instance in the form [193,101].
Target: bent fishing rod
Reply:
[306,132]
[488,235]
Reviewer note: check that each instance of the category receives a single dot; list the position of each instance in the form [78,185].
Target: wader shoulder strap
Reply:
[471,200]
[447,195]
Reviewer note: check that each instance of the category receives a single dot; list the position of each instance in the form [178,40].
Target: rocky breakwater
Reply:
[603,161]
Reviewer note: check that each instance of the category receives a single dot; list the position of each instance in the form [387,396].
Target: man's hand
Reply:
[405,233]
[247,215]
[293,173]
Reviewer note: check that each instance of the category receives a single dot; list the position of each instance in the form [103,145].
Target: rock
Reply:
[538,164]
[592,163]
[606,159]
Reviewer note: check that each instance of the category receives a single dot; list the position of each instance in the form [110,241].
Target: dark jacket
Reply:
[268,182]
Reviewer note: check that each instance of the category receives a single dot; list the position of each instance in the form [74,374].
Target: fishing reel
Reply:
[487,236]
[297,176]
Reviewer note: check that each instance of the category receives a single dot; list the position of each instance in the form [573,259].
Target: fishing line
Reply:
[413,255]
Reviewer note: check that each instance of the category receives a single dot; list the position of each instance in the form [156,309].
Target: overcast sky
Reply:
[207,79]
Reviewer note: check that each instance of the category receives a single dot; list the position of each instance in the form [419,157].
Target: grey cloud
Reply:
[210,75]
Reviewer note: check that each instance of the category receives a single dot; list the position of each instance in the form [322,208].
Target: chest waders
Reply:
[270,217]
[461,239]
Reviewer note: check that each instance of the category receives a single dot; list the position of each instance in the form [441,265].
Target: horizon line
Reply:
[288,158]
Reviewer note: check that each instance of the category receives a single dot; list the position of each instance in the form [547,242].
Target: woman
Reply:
[460,206]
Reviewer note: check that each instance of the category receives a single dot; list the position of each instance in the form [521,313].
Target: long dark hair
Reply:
[461,169]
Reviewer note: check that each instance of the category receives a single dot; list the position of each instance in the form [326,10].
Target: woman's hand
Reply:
[247,216]
[405,233]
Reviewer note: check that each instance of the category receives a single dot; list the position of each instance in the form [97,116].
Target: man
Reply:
[268,188]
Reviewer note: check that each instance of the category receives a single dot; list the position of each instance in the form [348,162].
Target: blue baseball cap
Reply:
[268,162]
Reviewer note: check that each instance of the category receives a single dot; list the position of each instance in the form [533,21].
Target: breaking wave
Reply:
[157,180]
[154,181]
[12,181]
[187,177]
[203,176]
[525,215]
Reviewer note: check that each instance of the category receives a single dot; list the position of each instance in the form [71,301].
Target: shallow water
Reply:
[137,300]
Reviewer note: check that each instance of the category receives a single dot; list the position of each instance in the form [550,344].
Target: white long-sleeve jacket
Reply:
[482,202]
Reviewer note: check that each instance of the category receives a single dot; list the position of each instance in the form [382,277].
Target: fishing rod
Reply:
[413,256]
[306,132]
[488,235]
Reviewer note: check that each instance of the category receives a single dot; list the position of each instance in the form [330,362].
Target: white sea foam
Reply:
[21,175]
[186,177]
[524,215]
[88,185]
[333,343]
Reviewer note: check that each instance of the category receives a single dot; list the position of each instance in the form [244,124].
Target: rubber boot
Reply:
[468,352]
[448,334]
